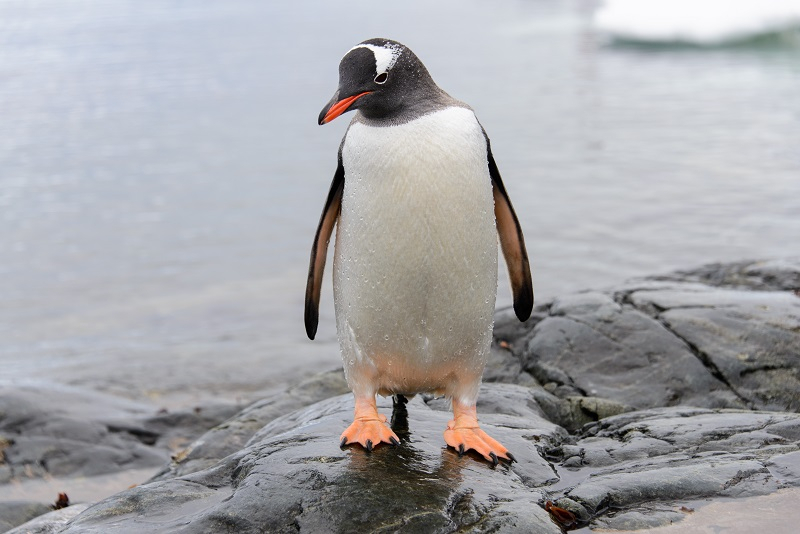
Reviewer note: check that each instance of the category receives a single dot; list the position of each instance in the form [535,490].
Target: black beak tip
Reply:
[327,108]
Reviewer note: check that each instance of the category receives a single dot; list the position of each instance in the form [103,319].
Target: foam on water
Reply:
[702,22]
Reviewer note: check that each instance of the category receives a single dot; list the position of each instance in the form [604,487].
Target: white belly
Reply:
[415,267]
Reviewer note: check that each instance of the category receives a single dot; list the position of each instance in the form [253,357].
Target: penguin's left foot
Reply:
[369,427]
[463,434]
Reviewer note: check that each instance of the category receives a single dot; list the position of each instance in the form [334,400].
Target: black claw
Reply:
[495,461]
[511,457]
[369,445]
[461,450]
[394,441]
[344,442]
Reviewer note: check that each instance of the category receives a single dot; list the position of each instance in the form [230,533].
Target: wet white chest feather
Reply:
[415,267]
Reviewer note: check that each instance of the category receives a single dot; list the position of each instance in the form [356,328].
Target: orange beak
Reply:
[340,107]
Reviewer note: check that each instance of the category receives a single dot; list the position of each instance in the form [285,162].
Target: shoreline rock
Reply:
[59,431]
[665,342]
[619,404]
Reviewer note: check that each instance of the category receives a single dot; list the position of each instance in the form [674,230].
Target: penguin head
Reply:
[381,78]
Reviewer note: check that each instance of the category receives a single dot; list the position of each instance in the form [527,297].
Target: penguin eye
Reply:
[381,78]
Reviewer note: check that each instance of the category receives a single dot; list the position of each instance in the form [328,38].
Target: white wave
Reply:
[702,22]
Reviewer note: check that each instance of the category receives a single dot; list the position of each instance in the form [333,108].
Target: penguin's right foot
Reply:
[463,434]
[369,427]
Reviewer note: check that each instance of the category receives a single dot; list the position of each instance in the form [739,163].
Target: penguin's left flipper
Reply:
[319,251]
[512,242]
[464,434]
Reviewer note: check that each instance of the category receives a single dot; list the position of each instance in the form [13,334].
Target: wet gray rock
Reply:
[590,345]
[232,435]
[62,433]
[65,432]
[786,468]
[13,513]
[570,412]
[671,340]
[68,432]
[765,275]
[50,522]
[636,462]
[293,476]
[621,405]
[749,340]
[644,517]
[632,470]
[505,368]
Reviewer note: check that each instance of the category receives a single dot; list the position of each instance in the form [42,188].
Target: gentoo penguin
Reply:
[418,202]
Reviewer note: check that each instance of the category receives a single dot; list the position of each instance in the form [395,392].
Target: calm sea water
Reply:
[162,173]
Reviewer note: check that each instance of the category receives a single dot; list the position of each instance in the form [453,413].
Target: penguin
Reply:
[418,203]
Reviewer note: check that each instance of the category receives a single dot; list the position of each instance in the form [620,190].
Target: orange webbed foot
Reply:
[463,434]
[369,427]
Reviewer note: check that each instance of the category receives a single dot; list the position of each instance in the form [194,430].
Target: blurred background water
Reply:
[162,173]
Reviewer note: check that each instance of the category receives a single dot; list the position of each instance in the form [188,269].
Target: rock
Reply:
[619,404]
[293,476]
[749,340]
[60,433]
[13,513]
[63,431]
[232,435]
[786,468]
[571,412]
[590,345]
[767,275]
[624,471]
[86,433]
[583,410]
[502,366]
[642,518]
[50,522]
[669,340]
[665,455]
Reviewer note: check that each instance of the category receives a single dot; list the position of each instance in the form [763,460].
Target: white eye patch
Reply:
[385,56]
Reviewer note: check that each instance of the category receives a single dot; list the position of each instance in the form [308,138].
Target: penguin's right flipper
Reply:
[319,251]
[512,242]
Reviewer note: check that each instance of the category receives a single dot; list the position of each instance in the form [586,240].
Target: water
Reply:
[162,173]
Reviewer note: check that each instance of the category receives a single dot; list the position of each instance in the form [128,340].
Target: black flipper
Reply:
[319,251]
[512,243]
